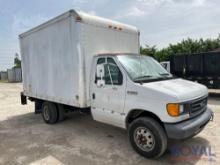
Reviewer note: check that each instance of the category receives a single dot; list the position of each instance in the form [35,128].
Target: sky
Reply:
[160,22]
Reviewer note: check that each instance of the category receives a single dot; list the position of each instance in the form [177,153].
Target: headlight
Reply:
[175,109]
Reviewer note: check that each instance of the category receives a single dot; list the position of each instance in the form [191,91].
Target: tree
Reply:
[186,46]
[17,61]
[148,50]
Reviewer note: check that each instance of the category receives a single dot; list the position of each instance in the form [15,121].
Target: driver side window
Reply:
[113,75]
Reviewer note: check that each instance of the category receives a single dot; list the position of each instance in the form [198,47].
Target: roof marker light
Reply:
[78,19]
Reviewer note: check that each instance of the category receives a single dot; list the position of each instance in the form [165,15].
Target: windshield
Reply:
[140,67]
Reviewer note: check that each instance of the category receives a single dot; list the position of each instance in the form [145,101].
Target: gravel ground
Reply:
[26,139]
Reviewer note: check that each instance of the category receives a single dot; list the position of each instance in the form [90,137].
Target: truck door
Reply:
[108,99]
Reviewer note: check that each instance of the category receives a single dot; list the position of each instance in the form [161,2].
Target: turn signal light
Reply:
[173,109]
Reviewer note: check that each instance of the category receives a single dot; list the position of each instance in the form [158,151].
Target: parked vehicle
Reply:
[166,65]
[202,67]
[78,61]
[3,76]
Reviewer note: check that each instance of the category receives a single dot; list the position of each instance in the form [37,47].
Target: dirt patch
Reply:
[25,138]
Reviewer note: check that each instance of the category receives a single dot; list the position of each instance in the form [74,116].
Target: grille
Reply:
[198,106]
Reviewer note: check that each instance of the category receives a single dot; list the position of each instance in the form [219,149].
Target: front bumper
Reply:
[188,128]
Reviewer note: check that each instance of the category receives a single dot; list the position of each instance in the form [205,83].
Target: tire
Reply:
[147,137]
[61,112]
[49,112]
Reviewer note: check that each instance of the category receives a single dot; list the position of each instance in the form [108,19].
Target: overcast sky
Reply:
[160,21]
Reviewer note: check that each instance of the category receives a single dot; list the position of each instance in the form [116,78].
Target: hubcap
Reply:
[144,139]
[46,113]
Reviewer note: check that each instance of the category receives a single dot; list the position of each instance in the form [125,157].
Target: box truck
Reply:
[79,61]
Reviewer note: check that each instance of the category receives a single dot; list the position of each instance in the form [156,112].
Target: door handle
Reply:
[93,96]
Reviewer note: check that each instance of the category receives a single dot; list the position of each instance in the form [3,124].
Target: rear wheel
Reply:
[61,112]
[147,137]
[49,112]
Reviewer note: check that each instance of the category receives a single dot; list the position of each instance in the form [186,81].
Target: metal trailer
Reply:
[18,74]
[201,67]
[11,75]
[4,76]
[14,75]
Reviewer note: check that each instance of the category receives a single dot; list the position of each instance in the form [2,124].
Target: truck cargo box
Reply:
[57,55]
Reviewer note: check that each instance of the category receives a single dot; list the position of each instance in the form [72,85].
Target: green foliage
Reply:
[188,46]
[150,51]
[17,61]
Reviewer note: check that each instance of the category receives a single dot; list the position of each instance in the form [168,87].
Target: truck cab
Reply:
[135,92]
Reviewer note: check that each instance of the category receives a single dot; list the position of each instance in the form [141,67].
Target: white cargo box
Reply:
[57,55]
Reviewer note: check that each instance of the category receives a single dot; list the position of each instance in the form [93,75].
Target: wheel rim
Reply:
[144,138]
[46,113]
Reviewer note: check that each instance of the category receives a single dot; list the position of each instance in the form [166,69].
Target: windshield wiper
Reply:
[164,74]
[142,77]
[167,76]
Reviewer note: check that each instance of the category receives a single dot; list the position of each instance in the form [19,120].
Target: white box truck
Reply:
[79,61]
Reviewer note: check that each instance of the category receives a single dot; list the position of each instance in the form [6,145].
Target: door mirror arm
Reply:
[100,73]
[101,83]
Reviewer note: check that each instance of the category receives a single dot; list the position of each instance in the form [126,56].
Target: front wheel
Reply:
[147,137]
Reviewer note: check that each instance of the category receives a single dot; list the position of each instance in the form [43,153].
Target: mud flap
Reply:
[23,99]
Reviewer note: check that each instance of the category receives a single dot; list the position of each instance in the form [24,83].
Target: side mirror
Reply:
[100,74]
[100,83]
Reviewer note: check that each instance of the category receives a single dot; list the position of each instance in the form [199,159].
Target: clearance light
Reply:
[115,27]
[78,19]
